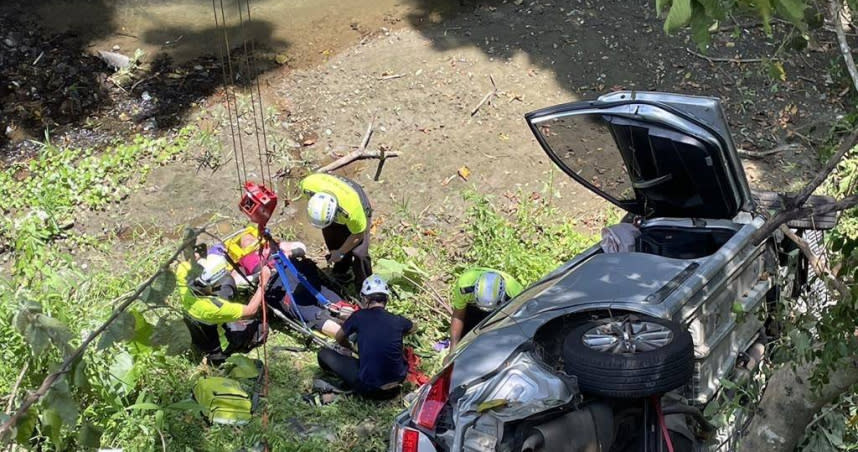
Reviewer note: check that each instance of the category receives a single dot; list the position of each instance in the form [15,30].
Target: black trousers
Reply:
[242,336]
[473,316]
[348,370]
[358,258]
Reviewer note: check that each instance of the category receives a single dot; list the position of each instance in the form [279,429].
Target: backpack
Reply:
[223,400]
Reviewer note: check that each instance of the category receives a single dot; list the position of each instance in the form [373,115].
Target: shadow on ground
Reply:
[56,84]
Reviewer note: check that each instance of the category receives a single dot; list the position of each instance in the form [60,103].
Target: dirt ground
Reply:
[421,78]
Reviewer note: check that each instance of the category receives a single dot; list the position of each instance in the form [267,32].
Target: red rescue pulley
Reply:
[258,203]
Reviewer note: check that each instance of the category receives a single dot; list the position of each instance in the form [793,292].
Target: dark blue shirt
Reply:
[379,340]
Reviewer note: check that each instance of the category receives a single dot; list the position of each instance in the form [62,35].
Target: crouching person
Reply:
[478,292]
[381,368]
[219,327]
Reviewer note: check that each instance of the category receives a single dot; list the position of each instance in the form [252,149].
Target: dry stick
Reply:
[819,266]
[391,77]
[16,386]
[78,353]
[845,145]
[359,154]
[727,60]
[766,153]
[841,39]
[436,296]
[487,97]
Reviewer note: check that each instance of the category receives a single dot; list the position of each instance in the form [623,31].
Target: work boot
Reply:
[325,386]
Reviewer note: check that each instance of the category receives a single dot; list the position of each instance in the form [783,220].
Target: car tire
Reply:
[771,201]
[663,365]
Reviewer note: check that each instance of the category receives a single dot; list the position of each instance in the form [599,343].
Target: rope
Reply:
[250,73]
[259,99]
[235,101]
[226,93]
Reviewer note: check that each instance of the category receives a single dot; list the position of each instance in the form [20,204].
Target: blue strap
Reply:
[281,272]
[301,279]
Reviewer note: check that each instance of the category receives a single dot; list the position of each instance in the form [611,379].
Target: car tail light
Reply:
[410,440]
[426,411]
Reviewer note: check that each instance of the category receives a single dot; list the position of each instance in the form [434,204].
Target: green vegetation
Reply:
[131,388]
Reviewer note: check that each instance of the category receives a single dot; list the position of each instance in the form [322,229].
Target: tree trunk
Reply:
[790,402]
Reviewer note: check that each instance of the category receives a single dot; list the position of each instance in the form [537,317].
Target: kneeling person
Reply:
[381,368]
[477,293]
[219,327]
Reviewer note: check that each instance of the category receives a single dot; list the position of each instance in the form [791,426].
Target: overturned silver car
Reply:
[623,350]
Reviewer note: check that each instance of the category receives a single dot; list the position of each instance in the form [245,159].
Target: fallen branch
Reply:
[356,155]
[727,60]
[487,97]
[845,51]
[766,153]
[440,300]
[360,154]
[819,265]
[65,367]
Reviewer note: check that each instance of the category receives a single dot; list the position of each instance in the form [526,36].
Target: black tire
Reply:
[771,201]
[633,374]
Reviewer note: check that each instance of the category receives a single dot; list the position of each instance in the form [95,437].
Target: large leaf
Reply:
[141,342]
[793,10]
[189,406]
[26,424]
[700,24]
[678,16]
[157,292]
[57,331]
[712,8]
[89,436]
[242,367]
[122,375]
[58,409]
[173,334]
[120,330]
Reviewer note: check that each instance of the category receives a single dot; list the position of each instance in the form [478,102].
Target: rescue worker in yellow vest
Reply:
[219,327]
[341,209]
[477,293]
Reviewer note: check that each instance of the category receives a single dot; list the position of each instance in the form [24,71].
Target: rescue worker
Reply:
[379,371]
[219,327]
[341,209]
[477,293]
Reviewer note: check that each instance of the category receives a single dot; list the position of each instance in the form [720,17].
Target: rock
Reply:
[150,124]
[116,47]
[145,96]
[10,42]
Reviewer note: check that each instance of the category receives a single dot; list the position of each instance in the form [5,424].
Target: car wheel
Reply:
[629,357]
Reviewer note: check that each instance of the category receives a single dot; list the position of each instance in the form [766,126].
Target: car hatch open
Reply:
[652,154]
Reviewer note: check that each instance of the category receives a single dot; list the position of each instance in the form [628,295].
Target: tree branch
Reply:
[819,265]
[790,402]
[845,145]
[788,215]
[360,154]
[6,428]
[845,51]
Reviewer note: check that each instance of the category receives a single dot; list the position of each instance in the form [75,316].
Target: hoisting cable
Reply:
[235,101]
[250,74]
[254,60]
[226,94]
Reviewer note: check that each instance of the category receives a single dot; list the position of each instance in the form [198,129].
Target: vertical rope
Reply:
[250,73]
[226,93]
[235,101]
[259,99]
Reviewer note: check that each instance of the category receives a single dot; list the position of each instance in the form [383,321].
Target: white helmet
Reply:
[374,284]
[215,267]
[489,291]
[322,208]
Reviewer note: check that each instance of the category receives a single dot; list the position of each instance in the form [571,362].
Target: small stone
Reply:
[198,68]
[145,96]
[116,47]
[328,132]
[10,42]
